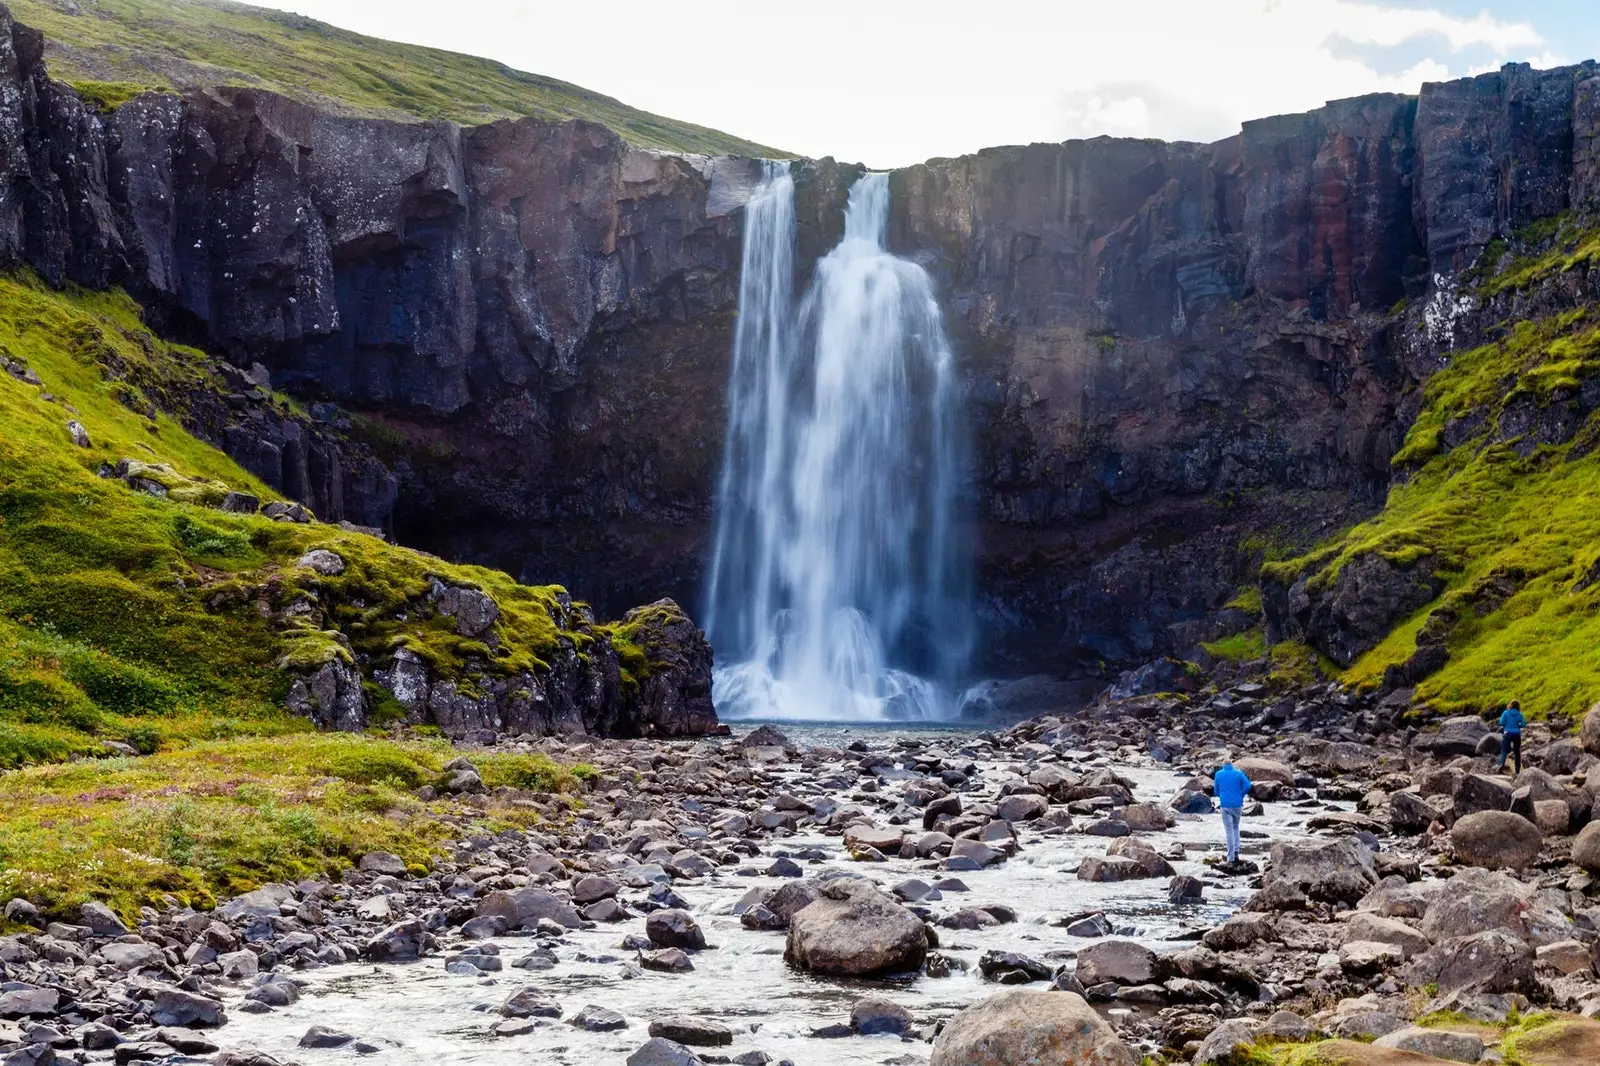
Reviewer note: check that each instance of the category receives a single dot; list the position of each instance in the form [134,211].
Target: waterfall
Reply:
[839,579]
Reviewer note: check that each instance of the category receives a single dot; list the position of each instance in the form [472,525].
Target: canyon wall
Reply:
[512,339]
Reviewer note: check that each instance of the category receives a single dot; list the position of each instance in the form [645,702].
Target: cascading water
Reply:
[838,587]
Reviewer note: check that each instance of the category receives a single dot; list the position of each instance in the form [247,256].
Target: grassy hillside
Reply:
[112,49]
[1510,525]
[136,621]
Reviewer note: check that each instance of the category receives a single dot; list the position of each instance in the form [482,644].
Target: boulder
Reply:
[1257,769]
[1332,871]
[1018,1027]
[1491,961]
[1120,961]
[674,928]
[1022,807]
[1373,928]
[1437,1043]
[1480,792]
[1410,813]
[1149,817]
[658,1051]
[1460,735]
[872,1016]
[854,930]
[523,907]
[1589,732]
[1496,840]
[174,1006]
[869,836]
[1586,846]
[398,943]
[1475,900]
[1236,1034]
[695,1032]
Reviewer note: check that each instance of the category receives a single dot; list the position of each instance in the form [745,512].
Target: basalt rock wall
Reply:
[1175,354]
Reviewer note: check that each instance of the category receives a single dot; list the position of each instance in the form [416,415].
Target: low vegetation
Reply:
[221,817]
[133,623]
[113,49]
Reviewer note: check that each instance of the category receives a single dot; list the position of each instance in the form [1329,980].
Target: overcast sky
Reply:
[889,83]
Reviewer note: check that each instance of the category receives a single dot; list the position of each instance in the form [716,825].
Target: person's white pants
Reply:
[1230,829]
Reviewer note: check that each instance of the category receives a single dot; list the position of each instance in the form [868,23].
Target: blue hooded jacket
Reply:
[1511,721]
[1231,784]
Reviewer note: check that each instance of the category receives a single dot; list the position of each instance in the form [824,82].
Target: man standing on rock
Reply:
[1511,723]
[1231,785]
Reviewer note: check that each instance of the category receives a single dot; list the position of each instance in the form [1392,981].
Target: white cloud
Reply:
[897,81]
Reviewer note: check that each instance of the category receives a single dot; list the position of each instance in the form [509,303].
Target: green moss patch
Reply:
[223,817]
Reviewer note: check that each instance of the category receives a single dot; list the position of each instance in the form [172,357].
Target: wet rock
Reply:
[673,928]
[667,960]
[1091,926]
[972,855]
[694,1032]
[1185,889]
[239,965]
[598,1020]
[1148,817]
[1495,840]
[873,1016]
[1490,961]
[1022,807]
[854,930]
[661,1052]
[320,1036]
[399,942]
[1119,961]
[530,1003]
[1023,1027]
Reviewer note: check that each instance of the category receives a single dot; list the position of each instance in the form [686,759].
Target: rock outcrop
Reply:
[516,335]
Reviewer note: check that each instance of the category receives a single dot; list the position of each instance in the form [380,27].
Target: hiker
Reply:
[1231,785]
[1511,723]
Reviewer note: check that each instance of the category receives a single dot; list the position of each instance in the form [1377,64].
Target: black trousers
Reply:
[1510,744]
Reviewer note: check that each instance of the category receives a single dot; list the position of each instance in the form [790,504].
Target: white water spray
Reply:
[835,591]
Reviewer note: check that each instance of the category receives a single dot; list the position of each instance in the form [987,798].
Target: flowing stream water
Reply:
[419,1013]
[838,584]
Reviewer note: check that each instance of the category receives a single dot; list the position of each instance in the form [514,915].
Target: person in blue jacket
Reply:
[1231,785]
[1511,723]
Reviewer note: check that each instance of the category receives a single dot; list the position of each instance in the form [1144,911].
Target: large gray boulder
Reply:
[1020,1027]
[1586,847]
[1477,900]
[523,907]
[1589,733]
[1231,1036]
[1480,792]
[1490,961]
[1496,840]
[1119,961]
[1364,927]
[1333,871]
[853,930]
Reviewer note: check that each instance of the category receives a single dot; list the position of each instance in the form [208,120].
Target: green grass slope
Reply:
[129,620]
[112,49]
[1511,526]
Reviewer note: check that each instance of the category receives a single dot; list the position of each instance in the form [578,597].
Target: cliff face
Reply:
[1176,354]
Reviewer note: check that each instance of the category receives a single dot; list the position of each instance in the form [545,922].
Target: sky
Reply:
[894,82]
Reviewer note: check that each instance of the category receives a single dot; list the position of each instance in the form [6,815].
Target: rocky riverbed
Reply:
[866,896]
